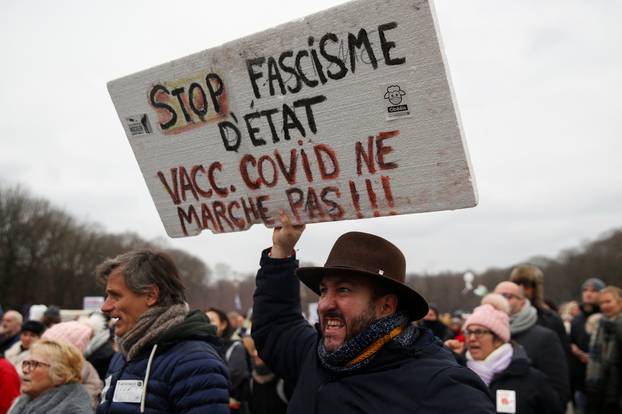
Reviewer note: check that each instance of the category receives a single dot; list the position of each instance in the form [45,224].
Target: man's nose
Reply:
[107,306]
[326,302]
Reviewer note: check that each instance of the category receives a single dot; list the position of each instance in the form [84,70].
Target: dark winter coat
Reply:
[546,354]
[580,338]
[423,379]
[603,382]
[534,394]
[186,375]
[549,319]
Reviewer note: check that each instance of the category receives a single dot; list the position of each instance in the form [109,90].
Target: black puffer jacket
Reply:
[534,394]
[423,379]
[546,354]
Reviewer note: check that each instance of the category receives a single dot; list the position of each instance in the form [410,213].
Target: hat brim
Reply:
[409,300]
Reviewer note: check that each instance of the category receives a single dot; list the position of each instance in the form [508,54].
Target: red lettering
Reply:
[388,194]
[335,211]
[294,205]
[260,164]
[381,150]
[186,184]
[263,211]
[368,157]
[240,223]
[189,217]
[356,199]
[195,170]
[290,175]
[174,192]
[253,185]
[372,197]
[220,211]
[221,191]
[207,217]
[324,149]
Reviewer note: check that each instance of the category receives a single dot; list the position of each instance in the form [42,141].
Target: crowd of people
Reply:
[378,345]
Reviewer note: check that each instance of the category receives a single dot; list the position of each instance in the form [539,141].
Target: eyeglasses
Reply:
[30,364]
[477,332]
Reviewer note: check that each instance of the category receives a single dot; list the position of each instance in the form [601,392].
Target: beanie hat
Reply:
[75,333]
[497,301]
[595,283]
[35,327]
[52,311]
[497,321]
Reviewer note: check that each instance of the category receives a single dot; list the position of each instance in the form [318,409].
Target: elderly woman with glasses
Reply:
[51,381]
[504,366]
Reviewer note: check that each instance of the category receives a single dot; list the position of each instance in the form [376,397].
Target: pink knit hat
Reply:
[498,322]
[75,333]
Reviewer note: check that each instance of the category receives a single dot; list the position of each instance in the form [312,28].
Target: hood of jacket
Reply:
[196,326]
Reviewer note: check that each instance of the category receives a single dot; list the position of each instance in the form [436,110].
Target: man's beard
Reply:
[356,325]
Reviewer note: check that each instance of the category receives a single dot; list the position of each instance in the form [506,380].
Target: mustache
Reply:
[330,314]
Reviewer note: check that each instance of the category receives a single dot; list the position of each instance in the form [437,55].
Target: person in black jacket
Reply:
[531,279]
[580,339]
[540,343]
[365,355]
[505,367]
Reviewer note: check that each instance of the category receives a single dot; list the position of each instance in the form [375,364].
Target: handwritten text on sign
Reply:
[346,114]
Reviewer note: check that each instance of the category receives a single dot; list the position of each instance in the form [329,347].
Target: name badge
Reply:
[506,401]
[128,391]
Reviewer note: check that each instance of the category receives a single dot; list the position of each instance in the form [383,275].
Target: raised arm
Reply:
[282,336]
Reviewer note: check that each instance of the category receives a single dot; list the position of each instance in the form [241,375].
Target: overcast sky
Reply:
[537,83]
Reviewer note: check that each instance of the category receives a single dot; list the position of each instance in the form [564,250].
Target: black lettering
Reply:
[253,76]
[274,74]
[307,103]
[290,70]
[160,105]
[200,112]
[332,58]
[177,93]
[309,82]
[356,42]
[387,45]
[257,141]
[214,94]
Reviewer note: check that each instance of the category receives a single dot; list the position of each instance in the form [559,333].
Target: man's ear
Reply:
[387,305]
[153,295]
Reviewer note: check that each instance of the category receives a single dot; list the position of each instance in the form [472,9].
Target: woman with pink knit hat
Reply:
[504,366]
[79,334]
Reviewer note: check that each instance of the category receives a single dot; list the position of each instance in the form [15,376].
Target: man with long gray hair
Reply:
[167,362]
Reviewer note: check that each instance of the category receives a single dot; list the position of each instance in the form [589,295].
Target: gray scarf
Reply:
[150,325]
[67,398]
[524,319]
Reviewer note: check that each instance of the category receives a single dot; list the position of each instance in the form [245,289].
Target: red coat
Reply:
[10,385]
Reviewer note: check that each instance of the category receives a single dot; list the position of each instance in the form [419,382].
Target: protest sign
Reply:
[345,114]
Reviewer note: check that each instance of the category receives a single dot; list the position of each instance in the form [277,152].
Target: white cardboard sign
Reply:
[345,114]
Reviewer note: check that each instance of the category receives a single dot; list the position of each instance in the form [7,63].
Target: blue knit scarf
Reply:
[340,361]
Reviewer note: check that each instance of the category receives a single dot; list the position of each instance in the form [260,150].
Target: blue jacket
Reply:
[186,373]
[423,379]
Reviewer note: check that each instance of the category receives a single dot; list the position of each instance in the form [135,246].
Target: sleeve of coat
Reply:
[546,400]
[282,336]
[199,384]
[457,390]
[553,363]
[238,367]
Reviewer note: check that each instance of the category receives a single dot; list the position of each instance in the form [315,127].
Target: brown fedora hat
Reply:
[363,254]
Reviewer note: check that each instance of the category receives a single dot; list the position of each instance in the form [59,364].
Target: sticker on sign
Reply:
[346,114]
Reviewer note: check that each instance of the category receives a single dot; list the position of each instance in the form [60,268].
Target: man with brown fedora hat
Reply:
[364,355]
